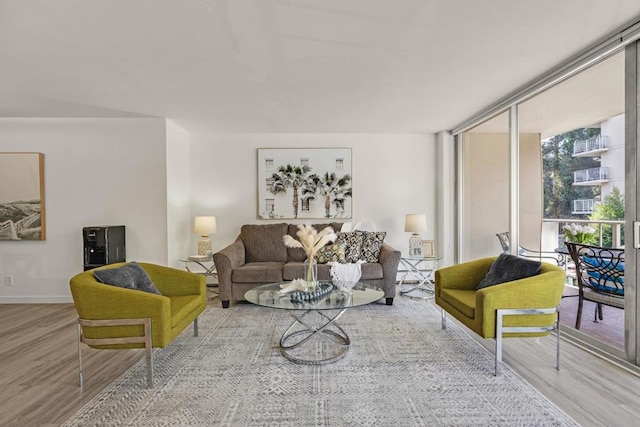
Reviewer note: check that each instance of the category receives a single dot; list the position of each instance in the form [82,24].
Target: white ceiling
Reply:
[295,66]
[583,100]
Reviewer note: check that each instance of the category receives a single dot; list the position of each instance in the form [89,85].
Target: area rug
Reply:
[401,370]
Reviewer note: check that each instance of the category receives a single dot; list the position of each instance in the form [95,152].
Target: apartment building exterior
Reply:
[609,147]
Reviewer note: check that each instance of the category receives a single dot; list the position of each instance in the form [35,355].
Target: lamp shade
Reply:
[415,223]
[205,225]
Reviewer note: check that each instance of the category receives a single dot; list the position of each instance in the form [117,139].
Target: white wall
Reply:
[392,175]
[485,209]
[151,176]
[97,172]
[179,220]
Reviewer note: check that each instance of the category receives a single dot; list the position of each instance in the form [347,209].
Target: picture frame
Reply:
[22,212]
[304,183]
[428,248]
[415,252]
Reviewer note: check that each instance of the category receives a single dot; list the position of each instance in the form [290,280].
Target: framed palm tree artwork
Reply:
[304,183]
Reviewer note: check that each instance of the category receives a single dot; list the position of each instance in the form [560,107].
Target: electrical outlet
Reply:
[8,280]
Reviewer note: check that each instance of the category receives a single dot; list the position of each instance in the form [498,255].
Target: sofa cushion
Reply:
[264,242]
[258,272]
[130,276]
[507,268]
[463,300]
[371,245]
[354,241]
[298,254]
[295,270]
[332,252]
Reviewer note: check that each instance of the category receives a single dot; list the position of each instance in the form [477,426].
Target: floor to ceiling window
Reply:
[579,127]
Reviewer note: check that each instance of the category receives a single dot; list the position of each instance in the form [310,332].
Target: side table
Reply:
[206,267]
[418,270]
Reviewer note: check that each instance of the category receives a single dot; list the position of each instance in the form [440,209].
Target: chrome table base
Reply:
[335,341]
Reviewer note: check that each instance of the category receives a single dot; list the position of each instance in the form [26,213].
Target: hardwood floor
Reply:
[39,371]
[39,368]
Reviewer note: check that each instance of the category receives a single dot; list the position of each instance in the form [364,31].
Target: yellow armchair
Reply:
[110,317]
[520,308]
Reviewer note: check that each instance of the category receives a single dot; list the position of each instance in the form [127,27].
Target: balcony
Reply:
[593,176]
[583,206]
[591,147]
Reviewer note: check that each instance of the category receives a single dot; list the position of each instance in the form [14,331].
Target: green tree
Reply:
[611,208]
[330,188]
[289,176]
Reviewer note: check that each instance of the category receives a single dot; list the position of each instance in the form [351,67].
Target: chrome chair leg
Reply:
[195,327]
[558,339]
[444,319]
[145,339]
[500,329]
[79,329]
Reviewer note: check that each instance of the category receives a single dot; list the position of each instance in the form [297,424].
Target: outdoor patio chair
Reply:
[505,241]
[600,274]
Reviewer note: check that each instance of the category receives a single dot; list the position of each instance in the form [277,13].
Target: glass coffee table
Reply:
[314,337]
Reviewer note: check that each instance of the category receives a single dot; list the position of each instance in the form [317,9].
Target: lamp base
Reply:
[204,245]
[415,245]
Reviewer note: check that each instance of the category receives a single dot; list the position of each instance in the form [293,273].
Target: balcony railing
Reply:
[593,176]
[583,206]
[602,227]
[591,146]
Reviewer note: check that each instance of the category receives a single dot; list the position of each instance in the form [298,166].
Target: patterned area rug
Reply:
[401,370]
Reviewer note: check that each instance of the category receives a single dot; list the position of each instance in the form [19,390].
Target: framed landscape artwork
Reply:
[304,183]
[22,214]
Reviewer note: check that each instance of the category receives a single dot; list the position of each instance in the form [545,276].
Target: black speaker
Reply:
[103,245]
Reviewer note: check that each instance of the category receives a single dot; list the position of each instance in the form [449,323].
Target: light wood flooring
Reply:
[39,377]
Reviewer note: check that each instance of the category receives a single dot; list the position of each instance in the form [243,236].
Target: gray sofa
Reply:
[259,256]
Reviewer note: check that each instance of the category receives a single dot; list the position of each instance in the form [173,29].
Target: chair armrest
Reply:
[174,282]
[466,275]
[543,290]
[97,301]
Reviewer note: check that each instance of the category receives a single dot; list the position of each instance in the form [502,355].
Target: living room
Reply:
[155,162]
[150,175]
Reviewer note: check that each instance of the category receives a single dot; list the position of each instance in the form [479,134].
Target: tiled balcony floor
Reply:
[610,330]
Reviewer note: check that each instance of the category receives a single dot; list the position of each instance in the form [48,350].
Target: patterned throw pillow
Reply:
[332,252]
[371,245]
[353,241]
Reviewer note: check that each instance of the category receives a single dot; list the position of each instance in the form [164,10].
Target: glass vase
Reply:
[311,272]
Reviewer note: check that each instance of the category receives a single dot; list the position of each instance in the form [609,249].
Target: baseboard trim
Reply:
[36,299]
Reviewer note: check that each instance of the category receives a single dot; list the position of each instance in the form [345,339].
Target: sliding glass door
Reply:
[552,159]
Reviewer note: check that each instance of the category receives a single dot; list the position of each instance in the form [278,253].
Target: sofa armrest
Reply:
[389,259]
[466,275]
[226,260]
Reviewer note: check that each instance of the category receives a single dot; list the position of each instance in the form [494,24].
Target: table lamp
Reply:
[414,224]
[205,225]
